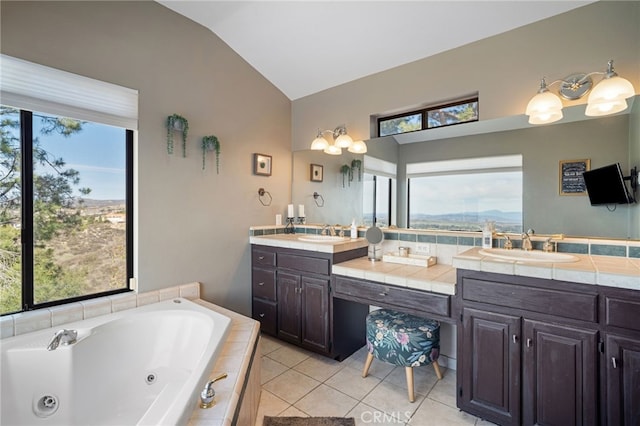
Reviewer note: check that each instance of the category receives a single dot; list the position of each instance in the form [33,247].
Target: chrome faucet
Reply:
[332,230]
[526,240]
[207,394]
[62,337]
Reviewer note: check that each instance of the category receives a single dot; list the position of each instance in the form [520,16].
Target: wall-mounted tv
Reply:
[606,185]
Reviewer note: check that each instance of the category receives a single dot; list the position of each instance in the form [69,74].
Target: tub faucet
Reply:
[62,337]
[207,394]
[526,240]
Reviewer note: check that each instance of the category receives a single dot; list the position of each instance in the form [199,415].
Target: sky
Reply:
[97,153]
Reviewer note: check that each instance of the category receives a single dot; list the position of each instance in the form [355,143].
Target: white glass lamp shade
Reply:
[358,147]
[333,150]
[319,143]
[608,97]
[343,141]
[543,108]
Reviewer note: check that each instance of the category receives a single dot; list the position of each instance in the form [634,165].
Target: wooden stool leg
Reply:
[367,364]
[437,368]
[409,371]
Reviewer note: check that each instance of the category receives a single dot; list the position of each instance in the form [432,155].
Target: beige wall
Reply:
[505,70]
[192,225]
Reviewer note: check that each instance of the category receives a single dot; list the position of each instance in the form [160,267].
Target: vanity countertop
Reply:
[293,241]
[608,271]
[438,278]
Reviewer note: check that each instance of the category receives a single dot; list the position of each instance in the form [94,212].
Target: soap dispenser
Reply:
[354,229]
[487,235]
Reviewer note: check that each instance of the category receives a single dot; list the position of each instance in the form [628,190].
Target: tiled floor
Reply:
[296,382]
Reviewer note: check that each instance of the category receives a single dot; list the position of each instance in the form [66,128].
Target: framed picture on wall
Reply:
[571,181]
[262,164]
[316,171]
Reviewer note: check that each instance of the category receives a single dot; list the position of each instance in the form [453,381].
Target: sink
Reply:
[528,256]
[322,238]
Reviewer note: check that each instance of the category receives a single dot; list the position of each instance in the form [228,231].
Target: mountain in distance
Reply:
[478,217]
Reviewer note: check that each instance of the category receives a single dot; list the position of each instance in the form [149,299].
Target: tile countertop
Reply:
[438,278]
[293,241]
[608,271]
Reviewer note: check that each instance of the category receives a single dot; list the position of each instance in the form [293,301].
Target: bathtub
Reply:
[144,366]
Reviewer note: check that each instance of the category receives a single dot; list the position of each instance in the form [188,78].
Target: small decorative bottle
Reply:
[354,229]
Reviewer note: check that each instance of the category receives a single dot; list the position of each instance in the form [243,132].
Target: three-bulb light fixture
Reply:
[607,97]
[340,140]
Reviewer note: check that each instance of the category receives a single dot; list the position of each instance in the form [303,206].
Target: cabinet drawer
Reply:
[304,263]
[622,312]
[385,295]
[263,283]
[263,258]
[265,312]
[560,303]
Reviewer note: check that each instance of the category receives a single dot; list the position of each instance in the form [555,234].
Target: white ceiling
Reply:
[304,47]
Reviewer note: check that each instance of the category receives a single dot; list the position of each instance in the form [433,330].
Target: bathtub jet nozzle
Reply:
[62,337]
[207,394]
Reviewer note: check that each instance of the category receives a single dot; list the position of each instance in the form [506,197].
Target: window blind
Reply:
[501,163]
[378,167]
[35,87]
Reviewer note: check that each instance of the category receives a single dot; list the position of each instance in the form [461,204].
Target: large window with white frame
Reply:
[379,183]
[462,194]
[66,185]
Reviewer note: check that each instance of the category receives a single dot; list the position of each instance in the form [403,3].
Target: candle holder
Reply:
[289,228]
[301,220]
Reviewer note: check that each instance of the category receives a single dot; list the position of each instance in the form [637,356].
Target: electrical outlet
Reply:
[423,248]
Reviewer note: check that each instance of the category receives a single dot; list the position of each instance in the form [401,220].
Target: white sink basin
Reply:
[528,256]
[322,238]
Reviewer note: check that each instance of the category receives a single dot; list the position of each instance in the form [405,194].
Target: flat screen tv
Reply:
[606,186]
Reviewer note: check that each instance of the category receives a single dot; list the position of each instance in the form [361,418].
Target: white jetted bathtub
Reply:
[144,366]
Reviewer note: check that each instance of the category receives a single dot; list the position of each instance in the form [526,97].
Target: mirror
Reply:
[603,140]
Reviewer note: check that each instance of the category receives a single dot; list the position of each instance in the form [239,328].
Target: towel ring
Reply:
[315,198]
[263,193]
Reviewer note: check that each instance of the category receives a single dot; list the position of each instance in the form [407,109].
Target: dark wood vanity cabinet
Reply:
[527,350]
[291,292]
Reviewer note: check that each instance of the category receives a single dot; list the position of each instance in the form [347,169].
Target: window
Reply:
[379,179]
[66,185]
[69,206]
[463,194]
[429,118]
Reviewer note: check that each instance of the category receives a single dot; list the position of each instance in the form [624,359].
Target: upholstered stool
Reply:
[402,339]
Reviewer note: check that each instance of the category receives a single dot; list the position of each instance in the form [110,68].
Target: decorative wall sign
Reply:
[571,181]
[262,164]
[316,171]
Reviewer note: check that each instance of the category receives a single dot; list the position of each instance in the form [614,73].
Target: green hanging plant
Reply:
[211,143]
[357,164]
[175,123]
[346,173]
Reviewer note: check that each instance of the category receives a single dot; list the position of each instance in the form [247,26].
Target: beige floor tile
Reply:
[481,422]
[291,386]
[326,401]
[289,355]
[424,378]
[270,405]
[365,415]
[350,381]
[444,391]
[269,344]
[319,367]
[270,369]
[392,399]
[433,413]
[293,412]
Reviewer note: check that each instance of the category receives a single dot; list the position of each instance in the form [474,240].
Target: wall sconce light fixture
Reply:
[607,97]
[340,140]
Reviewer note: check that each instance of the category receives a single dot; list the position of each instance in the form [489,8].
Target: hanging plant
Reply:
[346,173]
[357,164]
[178,123]
[211,143]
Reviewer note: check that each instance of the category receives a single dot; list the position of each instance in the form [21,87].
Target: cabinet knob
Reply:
[261,315]
[515,338]
[383,294]
[614,362]
[529,343]
[261,283]
[260,257]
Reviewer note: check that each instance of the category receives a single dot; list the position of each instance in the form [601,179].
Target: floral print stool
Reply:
[402,339]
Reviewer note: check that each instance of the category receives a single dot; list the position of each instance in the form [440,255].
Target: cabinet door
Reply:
[623,380]
[315,313]
[289,302]
[560,375]
[490,377]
